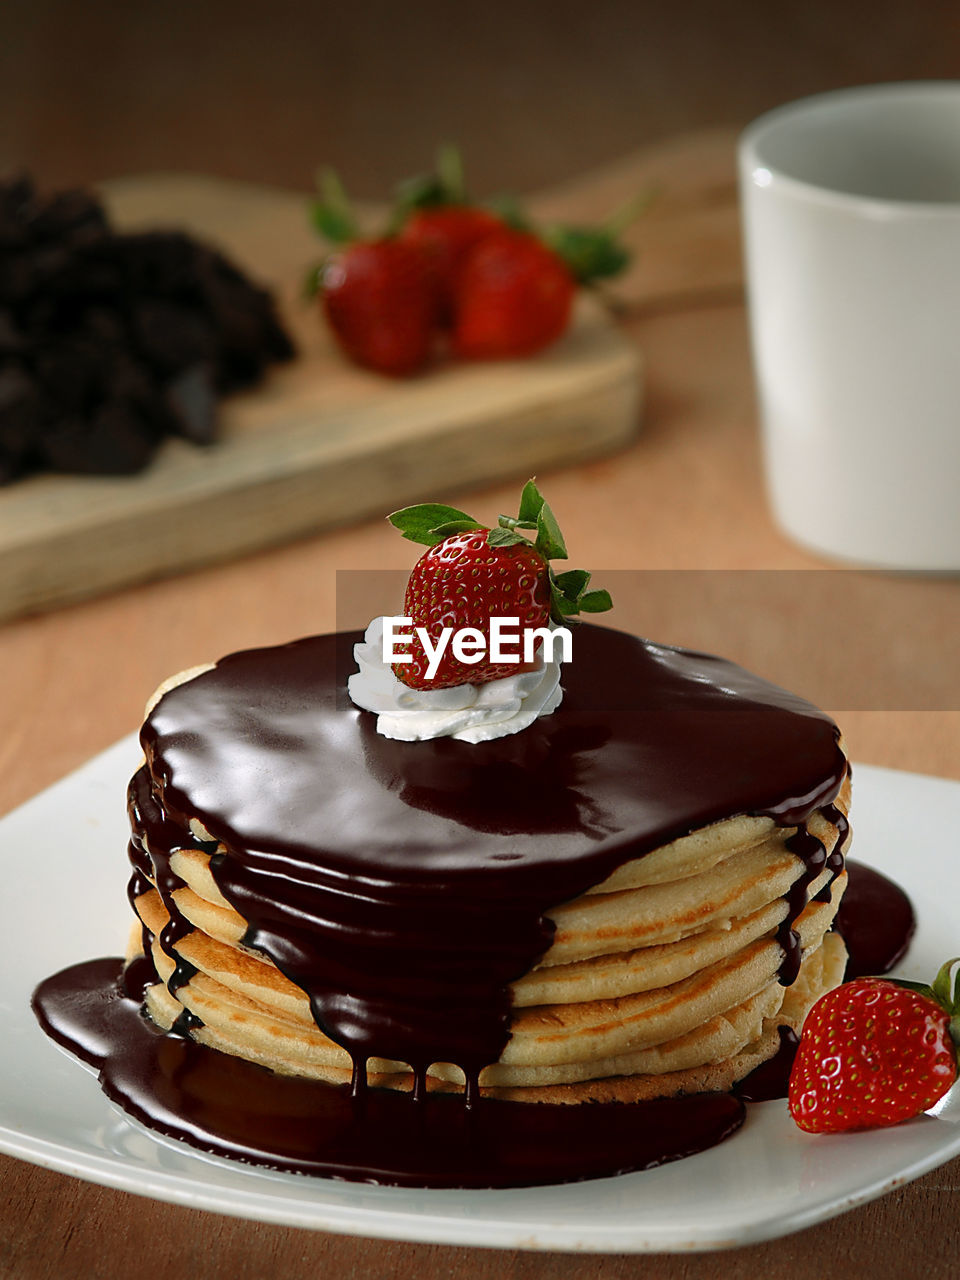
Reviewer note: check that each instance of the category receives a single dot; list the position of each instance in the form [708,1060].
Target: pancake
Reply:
[713,1056]
[701,1007]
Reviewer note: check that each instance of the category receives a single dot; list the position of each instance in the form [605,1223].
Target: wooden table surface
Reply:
[687,495]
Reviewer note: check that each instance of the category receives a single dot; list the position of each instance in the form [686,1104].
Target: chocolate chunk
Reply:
[114,341]
[11,339]
[16,205]
[114,441]
[73,216]
[105,327]
[73,372]
[20,418]
[171,335]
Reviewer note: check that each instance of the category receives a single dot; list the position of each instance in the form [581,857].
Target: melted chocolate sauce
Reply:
[835,858]
[231,1107]
[771,1078]
[402,885]
[876,921]
[813,854]
[149,862]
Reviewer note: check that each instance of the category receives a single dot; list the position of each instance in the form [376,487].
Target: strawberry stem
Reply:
[508,522]
[617,222]
[446,185]
[332,214]
[451,174]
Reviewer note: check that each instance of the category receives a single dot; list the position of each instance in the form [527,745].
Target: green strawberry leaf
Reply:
[596,253]
[505,538]
[573,583]
[549,542]
[568,596]
[508,522]
[331,223]
[454,526]
[510,211]
[596,602]
[590,253]
[418,523]
[446,185]
[425,191]
[562,606]
[531,504]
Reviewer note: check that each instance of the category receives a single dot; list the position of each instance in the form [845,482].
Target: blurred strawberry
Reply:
[512,297]
[446,234]
[434,210]
[378,294]
[501,290]
[380,299]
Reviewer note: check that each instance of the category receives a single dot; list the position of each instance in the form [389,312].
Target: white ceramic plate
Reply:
[68,845]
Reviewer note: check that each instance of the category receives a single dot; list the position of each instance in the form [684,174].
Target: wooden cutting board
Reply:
[321,442]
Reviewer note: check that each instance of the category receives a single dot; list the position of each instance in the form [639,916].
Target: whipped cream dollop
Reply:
[469,712]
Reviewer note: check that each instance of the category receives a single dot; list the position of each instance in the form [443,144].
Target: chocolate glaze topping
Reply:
[231,1107]
[403,885]
[771,1079]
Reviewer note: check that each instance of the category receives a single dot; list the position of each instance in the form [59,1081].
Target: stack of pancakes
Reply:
[662,980]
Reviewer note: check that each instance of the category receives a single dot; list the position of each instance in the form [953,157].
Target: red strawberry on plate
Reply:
[874,1052]
[472,573]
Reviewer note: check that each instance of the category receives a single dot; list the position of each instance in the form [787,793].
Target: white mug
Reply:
[851,206]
